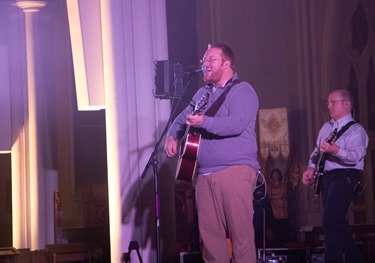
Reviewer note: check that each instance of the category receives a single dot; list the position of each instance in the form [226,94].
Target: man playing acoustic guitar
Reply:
[227,158]
[340,174]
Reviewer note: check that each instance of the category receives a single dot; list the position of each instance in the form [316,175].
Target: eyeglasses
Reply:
[209,59]
[332,102]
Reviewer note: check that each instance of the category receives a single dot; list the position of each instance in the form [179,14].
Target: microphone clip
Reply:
[202,68]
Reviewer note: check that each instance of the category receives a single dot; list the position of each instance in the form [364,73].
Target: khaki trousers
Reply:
[225,206]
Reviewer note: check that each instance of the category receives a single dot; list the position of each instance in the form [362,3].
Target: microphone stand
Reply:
[152,161]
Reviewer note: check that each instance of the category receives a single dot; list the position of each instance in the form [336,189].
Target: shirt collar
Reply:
[341,122]
[230,80]
[211,87]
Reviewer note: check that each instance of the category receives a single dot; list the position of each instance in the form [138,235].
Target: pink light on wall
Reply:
[5,121]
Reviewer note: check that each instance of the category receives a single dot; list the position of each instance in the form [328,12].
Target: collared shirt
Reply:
[353,144]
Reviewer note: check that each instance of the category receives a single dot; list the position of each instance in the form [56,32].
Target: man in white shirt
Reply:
[343,170]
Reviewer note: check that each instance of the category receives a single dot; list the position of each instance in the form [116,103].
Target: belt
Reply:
[335,171]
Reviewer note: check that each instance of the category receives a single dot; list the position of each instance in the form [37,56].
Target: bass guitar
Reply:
[319,170]
[189,147]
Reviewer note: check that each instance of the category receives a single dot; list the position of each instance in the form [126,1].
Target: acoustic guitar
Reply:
[189,147]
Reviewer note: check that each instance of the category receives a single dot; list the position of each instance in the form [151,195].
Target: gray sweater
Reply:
[228,138]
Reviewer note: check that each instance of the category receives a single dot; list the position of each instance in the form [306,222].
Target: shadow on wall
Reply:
[139,210]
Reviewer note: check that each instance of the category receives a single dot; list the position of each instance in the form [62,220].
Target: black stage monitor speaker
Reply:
[163,79]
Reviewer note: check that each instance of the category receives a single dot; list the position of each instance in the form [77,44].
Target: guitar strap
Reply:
[343,129]
[340,132]
[219,101]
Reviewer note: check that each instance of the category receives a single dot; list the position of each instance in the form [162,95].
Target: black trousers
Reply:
[338,194]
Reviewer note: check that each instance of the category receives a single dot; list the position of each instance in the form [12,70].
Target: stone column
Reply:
[30,220]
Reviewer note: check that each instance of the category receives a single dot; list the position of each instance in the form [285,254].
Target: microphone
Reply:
[202,68]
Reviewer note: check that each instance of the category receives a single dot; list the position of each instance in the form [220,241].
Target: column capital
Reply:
[30,5]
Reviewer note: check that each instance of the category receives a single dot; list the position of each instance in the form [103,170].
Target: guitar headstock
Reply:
[201,105]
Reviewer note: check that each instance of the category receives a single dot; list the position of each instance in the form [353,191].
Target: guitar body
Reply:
[319,175]
[187,161]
